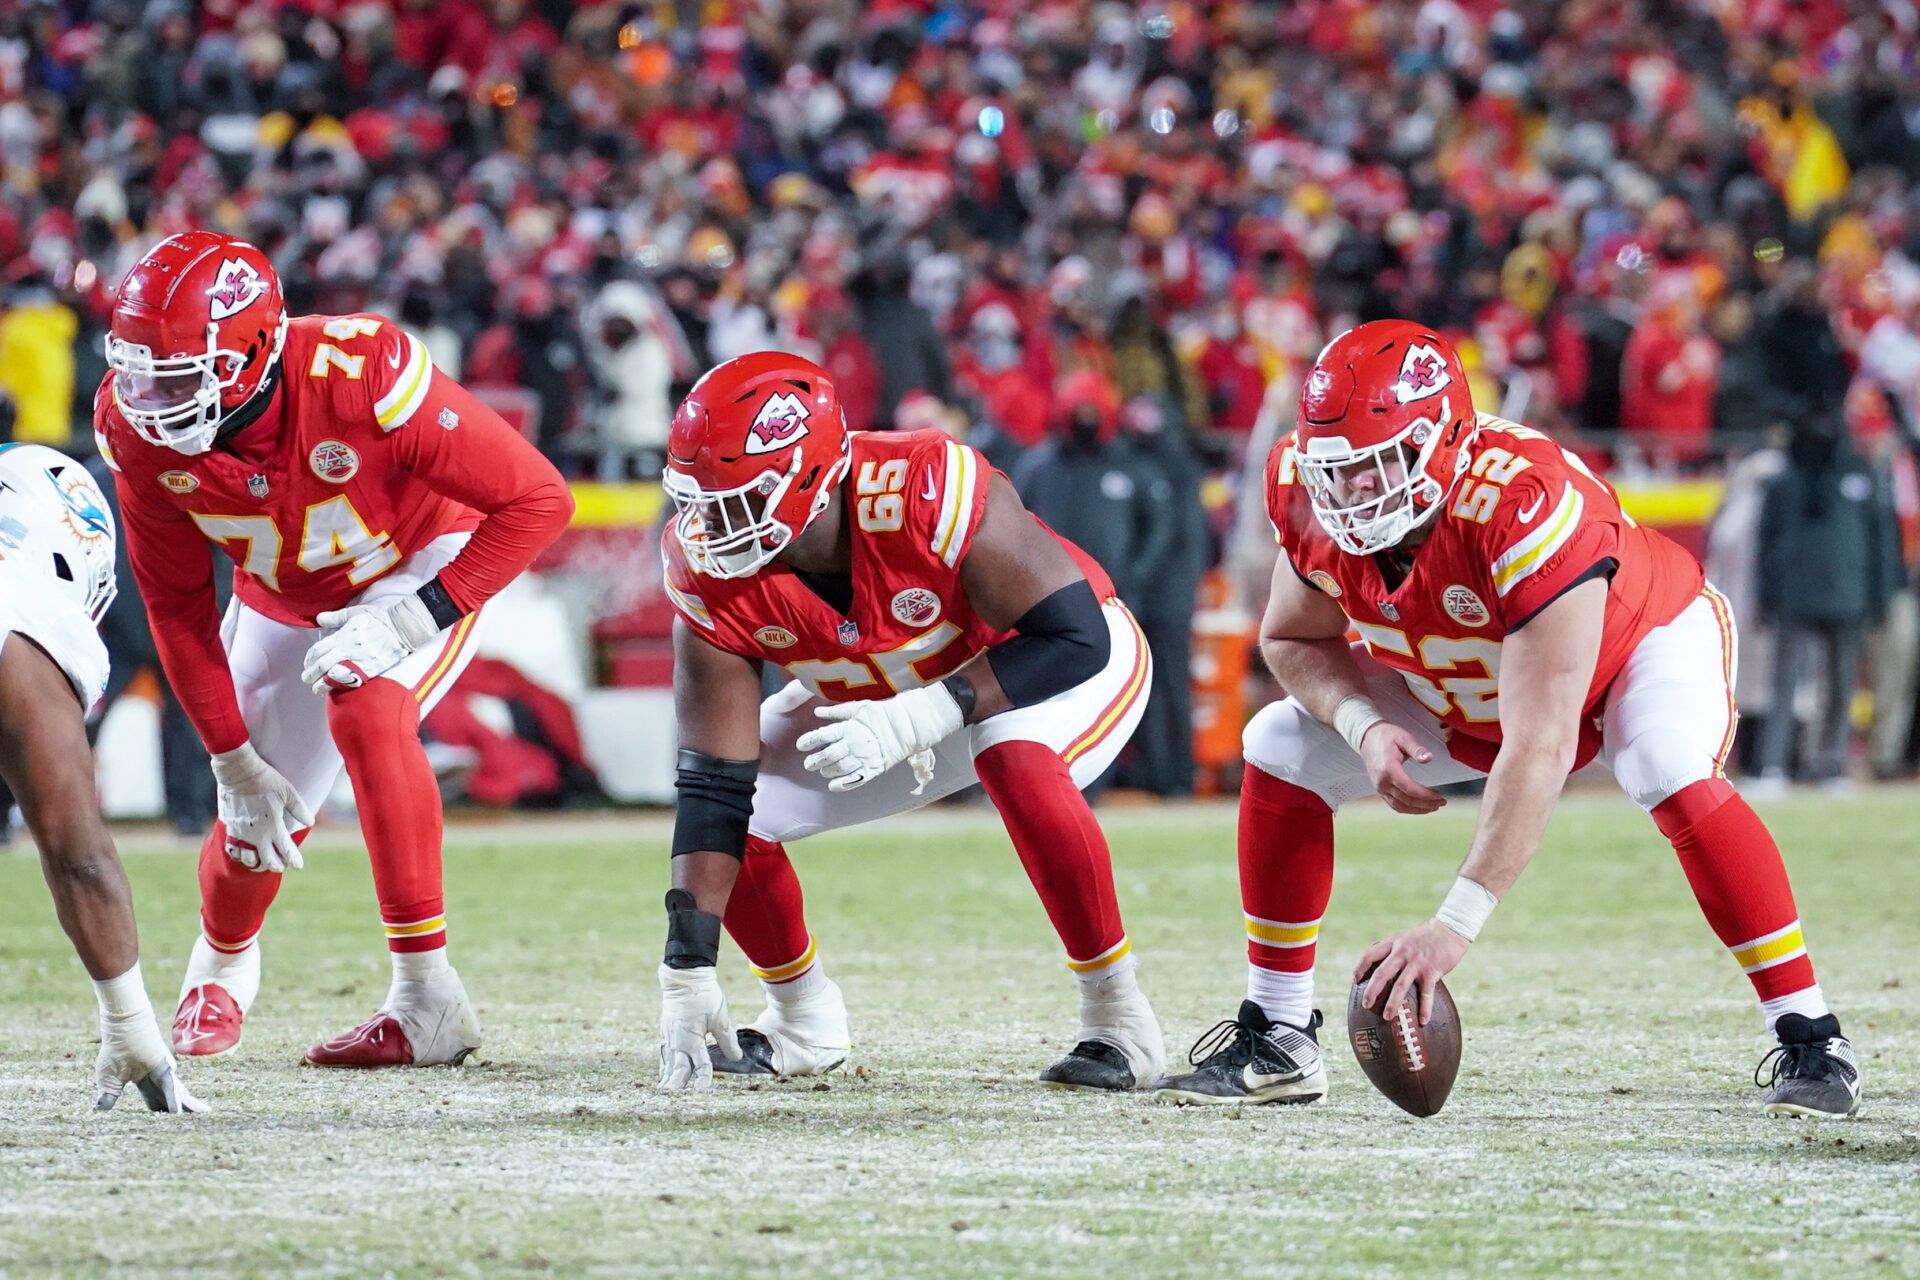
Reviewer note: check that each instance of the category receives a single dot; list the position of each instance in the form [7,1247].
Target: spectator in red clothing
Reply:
[1230,373]
[845,355]
[1669,374]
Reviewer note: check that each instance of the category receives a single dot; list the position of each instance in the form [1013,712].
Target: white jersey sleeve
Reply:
[56,561]
[28,608]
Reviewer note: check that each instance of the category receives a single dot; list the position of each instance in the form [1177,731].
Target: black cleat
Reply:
[1814,1073]
[756,1056]
[1251,1059]
[1092,1065]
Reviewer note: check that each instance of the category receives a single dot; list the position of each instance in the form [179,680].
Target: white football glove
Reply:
[865,739]
[132,1052]
[363,641]
[261,811]
[692,1007]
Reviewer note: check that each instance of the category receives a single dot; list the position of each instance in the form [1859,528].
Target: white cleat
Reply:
[805,1036]
[422,1024]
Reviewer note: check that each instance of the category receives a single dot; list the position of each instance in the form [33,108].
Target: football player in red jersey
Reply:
[1514,621]
[371,508]
[926,620]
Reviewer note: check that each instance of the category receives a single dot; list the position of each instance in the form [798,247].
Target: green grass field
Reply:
[1603,1122]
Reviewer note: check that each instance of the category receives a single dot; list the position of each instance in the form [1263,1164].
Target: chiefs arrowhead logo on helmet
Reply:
[781,421]
[236,287]
[1423,372]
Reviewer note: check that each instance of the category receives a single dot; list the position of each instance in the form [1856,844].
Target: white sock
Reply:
[236,972]
[1111,982]
[1809,1002]
[122,997]
[1283,997]
[420,966]
[811,979]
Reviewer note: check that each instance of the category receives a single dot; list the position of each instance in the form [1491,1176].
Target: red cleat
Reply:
[208,1023]
[377,1042]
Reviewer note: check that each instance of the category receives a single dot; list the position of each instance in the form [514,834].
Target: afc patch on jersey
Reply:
[916,607]
[782,420]
[237,287]
[1423,373]
[334,461]
[1465,607]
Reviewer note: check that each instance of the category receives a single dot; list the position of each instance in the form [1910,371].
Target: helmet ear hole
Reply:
[812,476]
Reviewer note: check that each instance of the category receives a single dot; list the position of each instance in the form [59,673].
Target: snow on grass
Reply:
[1602,1124]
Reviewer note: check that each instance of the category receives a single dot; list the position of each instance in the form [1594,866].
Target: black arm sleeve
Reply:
[1059,643]
[716,801]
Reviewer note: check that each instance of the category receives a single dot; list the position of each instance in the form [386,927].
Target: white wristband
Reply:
[124,996]
[1352,719]
[1466,908]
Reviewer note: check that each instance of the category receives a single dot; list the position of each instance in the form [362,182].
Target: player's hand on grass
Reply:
[1385,751]
[364,641]
[261,811]
[862,740]
[133,1053]
[1416,957]
[692,1007]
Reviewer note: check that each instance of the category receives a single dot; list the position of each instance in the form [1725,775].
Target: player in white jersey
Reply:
[56,581]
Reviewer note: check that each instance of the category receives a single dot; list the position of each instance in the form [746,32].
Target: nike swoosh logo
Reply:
[393,361]
[1528,513]
[930,494]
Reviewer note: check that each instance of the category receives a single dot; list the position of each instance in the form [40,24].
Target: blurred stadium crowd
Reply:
[1097,238]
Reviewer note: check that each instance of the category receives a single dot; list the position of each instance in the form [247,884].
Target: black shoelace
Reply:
[1232,1038]
[1795,1062]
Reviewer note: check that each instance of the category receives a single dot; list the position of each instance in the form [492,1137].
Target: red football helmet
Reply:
[1385,418]
[196,332]
[752,458]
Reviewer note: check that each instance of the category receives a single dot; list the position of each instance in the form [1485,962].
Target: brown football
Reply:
[1412,1065]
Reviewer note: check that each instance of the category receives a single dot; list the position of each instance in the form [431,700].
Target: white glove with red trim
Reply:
[865,739]
[261,811]
[364,641]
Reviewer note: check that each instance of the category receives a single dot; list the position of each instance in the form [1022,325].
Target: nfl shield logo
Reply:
[448,419]
[257,486]
[1388,612]
[849,634]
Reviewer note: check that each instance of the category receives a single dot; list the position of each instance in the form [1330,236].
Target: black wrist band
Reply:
[963,693]
[693,935]
[440,605]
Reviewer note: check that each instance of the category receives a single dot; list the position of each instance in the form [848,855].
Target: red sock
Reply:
[1061,846]
[233,900]
[1286,871]
[766,914]
[377,728]
[1737,875]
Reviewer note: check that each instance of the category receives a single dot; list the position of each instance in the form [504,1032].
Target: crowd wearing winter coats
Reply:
[1666,231]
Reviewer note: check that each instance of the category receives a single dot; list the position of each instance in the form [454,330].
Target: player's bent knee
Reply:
[1283,740]
[373,713]
[1650,770]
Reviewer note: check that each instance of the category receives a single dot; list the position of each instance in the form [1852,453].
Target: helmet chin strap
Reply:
[249,413]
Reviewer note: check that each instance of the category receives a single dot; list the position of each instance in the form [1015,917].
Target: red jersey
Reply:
[1526,523]
[365,455]
[915,499]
